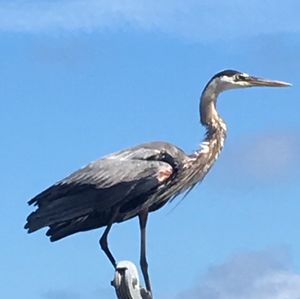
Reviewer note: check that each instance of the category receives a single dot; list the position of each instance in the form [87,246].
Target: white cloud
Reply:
[271,156]
[197,20]
[261,159]
[254,275]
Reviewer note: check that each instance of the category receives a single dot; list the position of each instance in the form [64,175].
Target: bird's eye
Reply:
[239,77]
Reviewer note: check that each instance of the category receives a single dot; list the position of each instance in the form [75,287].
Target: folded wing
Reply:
[85,199]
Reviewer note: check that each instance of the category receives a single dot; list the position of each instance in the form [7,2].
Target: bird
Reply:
[138,180]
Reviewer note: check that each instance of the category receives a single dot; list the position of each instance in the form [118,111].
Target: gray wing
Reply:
[117,180]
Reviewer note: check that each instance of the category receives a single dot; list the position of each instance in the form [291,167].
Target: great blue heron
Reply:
[138,180]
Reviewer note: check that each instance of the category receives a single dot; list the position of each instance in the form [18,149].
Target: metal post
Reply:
[126,282]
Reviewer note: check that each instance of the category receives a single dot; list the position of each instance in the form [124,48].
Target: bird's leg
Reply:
[143,260]
[103,240]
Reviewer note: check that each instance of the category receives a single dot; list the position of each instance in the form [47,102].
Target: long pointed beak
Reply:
[254,81]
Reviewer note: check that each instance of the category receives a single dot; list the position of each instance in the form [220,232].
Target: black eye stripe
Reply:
[240,77]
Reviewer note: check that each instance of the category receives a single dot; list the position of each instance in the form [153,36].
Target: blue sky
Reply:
[81,79]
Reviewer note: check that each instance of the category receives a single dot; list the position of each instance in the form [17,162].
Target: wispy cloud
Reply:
[271,156]
[261,159]
[253,275]
[201,20]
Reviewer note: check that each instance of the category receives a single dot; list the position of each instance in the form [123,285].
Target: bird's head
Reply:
[230,79]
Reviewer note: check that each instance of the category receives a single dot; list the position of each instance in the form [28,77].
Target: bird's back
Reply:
[125,180]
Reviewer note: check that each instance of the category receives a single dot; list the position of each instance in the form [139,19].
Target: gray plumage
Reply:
[135,181]
[84,200]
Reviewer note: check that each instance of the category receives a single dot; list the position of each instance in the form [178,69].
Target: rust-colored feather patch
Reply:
[164,173]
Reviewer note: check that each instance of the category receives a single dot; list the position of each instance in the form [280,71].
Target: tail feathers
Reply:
[84,223]
[48,217]
[34,222]
[61,230]
[63,209]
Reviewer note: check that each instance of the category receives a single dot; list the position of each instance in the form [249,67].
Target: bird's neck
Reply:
[207,108]
[212,145]
[215,126]
[203,159]
[214,139]
[215,133]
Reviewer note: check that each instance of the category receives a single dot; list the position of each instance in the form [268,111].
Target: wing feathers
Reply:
[96,188]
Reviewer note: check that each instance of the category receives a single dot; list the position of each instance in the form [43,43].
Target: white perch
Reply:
[126,282]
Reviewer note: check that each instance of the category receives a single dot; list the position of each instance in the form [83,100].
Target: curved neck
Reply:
[200,162]
[207,108]
[215,133]
[203,159]
[215,126]
[209,116]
